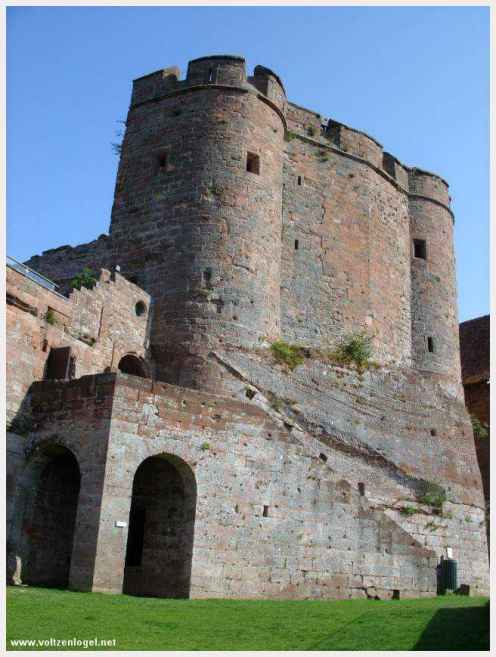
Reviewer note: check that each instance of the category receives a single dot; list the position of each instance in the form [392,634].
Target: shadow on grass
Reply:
[457,629]
[413,628]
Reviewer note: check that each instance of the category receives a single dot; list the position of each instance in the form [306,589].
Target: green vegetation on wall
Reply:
[86,278]
[289,354]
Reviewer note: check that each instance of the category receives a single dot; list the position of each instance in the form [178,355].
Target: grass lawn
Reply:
[443,623]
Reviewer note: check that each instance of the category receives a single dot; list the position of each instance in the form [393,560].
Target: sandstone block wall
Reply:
[272,519]
[316,245]
[246,219]
[346,253]
[277,511]
[388,430]
[475,352]
[69,419]
[99,325]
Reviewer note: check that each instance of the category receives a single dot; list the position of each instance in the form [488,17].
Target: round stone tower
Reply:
[435,341]
[198,208]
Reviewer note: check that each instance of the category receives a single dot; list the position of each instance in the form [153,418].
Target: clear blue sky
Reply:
[415,78]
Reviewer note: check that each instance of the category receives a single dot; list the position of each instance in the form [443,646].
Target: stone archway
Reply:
[46,510]
[161,528]
[130,364]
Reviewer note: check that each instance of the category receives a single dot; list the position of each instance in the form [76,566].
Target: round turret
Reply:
[198,214]
[435,342]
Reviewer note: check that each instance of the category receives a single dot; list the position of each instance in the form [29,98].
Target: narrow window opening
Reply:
[297,245]
[236,508]
[420,249]
[219,304]
[396,594]
[210,75]
[266,511]
[140,308]
[430,345]
[299,180]
[253,163]
[361,489]
[72,368]
[162,162]
[433,432]
[207,277]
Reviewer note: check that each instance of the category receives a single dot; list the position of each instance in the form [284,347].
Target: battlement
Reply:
[215,70]
[230,70]
[430,185]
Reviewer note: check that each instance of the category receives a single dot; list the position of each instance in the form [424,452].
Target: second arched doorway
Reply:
[161,528]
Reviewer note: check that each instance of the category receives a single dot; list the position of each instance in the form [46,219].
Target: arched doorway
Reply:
[161,528]
[49,517]
[130,364]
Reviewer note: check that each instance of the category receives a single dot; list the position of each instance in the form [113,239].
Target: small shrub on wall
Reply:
[481,430]
[289,354]
[85,278]
[355,348]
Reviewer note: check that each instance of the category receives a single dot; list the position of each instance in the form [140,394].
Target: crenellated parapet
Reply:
[429,185]
[350,142]
[216,71]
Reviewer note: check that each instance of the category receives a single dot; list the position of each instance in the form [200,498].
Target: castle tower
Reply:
[198,207]
[435,341]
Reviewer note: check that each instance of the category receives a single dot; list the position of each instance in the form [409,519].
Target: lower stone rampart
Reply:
[389,431]
[276,508]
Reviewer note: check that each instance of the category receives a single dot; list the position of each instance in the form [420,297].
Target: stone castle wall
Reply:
[274,515]
[248,219]
[99,325]
[292,530]
[202,234]
[209,230]
[475,354]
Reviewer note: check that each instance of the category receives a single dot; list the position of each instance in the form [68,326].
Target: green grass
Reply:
[443,623]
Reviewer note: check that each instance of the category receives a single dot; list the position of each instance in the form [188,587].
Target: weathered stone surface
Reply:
[242,218]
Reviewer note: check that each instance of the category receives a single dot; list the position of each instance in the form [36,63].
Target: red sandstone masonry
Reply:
[246,219]
[258,464]
[99,325]
[194,230]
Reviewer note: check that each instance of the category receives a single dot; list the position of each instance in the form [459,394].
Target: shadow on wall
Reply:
[42,533]
[131,364]
[44,501]
[459,628]
[161,529]
[43,485]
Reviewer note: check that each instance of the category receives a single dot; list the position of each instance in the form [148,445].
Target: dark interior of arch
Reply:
[132,365]
[50,525]
[161,528]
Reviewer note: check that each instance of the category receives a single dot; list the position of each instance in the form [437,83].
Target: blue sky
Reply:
[415,78]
